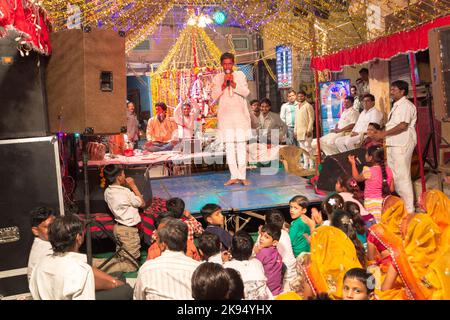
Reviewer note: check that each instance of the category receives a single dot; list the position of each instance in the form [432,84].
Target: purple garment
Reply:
[273,266]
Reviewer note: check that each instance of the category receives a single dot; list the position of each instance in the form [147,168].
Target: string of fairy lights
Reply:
[323,25]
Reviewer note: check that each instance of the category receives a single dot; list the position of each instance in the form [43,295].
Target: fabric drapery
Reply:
[383,48]
[29,21]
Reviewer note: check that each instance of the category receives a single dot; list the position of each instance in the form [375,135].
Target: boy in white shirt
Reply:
[251,269]
[64,275]
[40,220]
[124,204]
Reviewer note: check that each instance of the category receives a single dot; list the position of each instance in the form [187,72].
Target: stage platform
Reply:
[265,192]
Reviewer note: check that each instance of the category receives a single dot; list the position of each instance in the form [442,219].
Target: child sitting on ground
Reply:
[284,247]
[378,180]
[358,222]
[267,253]
[251,270]
[210,248]
[348,188]
[212,214]
[358,285]
[124,204]
[154,250]
[177,206]
[301,226]
[330,204]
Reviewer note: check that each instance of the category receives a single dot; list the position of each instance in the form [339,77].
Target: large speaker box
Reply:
[337,165]
[86,81]
[439,46]
[31,177]
[22,92]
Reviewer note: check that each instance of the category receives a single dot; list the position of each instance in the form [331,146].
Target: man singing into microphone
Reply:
[233,117]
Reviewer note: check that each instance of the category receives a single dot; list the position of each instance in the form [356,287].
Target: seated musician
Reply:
[161,131]
[370,114]
[343,127]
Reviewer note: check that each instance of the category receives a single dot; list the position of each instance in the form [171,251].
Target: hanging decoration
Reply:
[331,24]
[187,72]
[27,21]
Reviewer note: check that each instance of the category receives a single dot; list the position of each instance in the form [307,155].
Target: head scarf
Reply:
[332,255]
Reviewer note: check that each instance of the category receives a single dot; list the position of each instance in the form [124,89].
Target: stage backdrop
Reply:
[332,95]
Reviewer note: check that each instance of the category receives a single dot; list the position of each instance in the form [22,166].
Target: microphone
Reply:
[228,71]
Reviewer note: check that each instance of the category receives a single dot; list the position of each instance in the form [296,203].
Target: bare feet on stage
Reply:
[245,182]
[231,181]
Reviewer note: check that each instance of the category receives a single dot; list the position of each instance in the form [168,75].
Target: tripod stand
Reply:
[431,137]
[89,220]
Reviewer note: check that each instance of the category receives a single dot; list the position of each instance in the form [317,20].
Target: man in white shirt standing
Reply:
[345,124]
[287,115]
[369,114]
[124,204]
[167,277]
[65,275]
[401,140]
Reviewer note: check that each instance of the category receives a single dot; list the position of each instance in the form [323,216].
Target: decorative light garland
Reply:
[340,23]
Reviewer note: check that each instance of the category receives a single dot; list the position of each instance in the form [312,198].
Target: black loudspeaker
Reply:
[337,165]
[22,92]
[31,177]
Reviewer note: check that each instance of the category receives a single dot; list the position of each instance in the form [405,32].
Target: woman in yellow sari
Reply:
[411,258]
[437,205]
[323,269]
[394,218]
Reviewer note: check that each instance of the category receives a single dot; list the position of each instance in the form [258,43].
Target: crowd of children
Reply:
[356,246]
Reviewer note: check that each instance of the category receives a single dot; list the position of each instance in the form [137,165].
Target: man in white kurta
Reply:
[64,275]
[234,123]
[370,114]
[401,140]
[304,124]
[345,125]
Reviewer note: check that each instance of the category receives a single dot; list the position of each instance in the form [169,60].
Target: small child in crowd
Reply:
[236,289]
[267,253]
[358,285]
[301,226]
[378,180]
[210,248]
[177,206]
[284,247]
[212,214]
[349,190]
[251,270]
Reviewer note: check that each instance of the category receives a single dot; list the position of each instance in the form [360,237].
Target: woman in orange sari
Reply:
[323,269]
[394,218]
[437,205]
[411,255]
